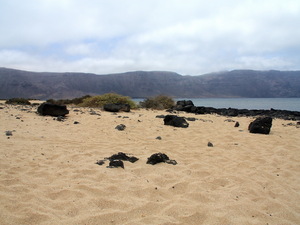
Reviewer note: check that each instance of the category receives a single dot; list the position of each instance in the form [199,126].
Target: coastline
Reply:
[290,104]
[49,173]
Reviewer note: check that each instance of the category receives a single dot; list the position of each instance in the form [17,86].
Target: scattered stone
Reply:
[47,109]
[190,118]
[185,105]
[229,120]
[60,118]
[124,157]
[125,117]
[76,122]
[158,137]
[160,116]
[261,125]
[203,120]
[100,162]
[175,121]
[93,112]
[115,164]
[189,107]
[120,127]
[209,144]
[289,124]
[8,133]
[160,157]
[237,124]
[116,107]
[116,160]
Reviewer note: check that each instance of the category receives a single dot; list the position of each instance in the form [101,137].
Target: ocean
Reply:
[292,104]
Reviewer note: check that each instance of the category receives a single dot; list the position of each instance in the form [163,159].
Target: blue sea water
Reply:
[292,104]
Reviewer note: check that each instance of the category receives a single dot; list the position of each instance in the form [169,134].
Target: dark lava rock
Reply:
[175,121]
[123,156]
[190,118]
[76,122]
[100,162]
[261,125]
[185,105]
[48,109]
[160,116]
[158,137]
[8,133]
[160,157]
[116,163]
[188,106]
[237,124]
[93,112]
[209,144]
[116,107]
[116,160]
[229,120]
[60,118]
[120,127]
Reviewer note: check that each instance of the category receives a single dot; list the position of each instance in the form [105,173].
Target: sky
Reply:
[190,37]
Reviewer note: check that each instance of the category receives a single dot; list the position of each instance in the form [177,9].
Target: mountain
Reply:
[236,83]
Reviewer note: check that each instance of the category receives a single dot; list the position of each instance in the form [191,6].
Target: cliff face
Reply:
[237,83]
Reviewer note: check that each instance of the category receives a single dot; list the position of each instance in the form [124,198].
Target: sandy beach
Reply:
[49,173]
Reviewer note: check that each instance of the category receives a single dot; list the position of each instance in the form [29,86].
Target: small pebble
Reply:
[120,127]
[209,144]
[8,133]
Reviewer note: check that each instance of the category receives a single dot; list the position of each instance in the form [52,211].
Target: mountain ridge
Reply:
[235,83]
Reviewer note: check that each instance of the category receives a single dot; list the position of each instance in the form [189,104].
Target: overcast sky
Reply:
[190,37]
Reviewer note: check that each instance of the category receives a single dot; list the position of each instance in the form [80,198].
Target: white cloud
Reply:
[80,49]
[189,37]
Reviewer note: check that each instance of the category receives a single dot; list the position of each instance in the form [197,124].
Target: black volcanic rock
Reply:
[47,109]
[184,105]
[116,163]
[232,112]
[116,107]
[160,157]
[116,160]
[175,121]
[120,127]
[261,125]
[123,156]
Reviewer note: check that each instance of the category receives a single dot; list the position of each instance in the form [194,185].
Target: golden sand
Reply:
[49,176]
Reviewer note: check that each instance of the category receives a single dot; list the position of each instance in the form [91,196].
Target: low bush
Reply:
[75,101]
[101,100]
[159,102]
[18,101]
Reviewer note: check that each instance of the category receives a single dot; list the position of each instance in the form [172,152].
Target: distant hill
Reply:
[236,83]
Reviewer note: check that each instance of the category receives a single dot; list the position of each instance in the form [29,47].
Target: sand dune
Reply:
[49,176]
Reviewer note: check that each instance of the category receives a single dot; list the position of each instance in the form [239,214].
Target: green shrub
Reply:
[101,100]
[159,102]
[18,101]
[75,101]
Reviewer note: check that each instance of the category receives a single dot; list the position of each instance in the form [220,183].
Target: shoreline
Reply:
[189,107]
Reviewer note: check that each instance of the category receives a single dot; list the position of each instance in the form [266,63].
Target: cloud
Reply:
[191,37]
